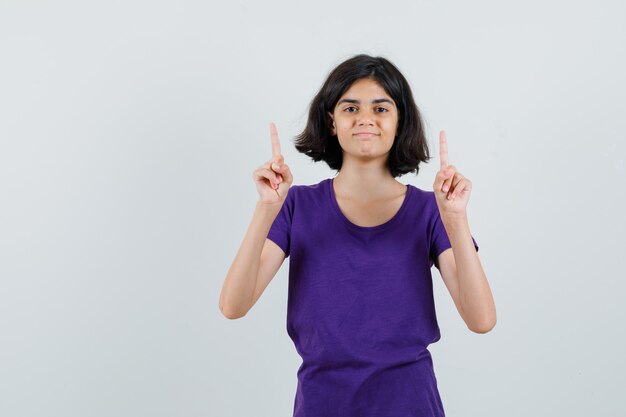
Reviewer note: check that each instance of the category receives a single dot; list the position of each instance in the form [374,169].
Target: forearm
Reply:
[477,304]
[238,289]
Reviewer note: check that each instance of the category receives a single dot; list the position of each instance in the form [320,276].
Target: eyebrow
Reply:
[378,100]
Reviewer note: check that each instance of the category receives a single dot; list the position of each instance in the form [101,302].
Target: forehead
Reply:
[365,89]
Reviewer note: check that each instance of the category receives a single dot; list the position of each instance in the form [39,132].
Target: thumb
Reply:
[278,166]
[283,171]
[442,176]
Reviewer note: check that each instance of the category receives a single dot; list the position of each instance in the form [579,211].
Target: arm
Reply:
[460,267]
[258,259]
[465,279]
[238,292]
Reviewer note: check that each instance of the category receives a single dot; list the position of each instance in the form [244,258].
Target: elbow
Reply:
[232,314]
[231,311]
[484,327]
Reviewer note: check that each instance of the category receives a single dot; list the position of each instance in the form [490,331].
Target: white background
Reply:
[129,132]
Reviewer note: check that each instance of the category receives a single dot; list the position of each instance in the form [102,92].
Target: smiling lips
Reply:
[365,134]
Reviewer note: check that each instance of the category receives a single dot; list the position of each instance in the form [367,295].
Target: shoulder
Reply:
[309,190]
[315,186]
[424,200]
[423,194]
[305,197]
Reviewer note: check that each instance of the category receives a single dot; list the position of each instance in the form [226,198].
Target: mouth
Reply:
[365,135]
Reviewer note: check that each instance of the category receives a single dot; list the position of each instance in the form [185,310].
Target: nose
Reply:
[365,119]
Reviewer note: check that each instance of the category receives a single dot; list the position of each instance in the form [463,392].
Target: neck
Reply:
[365,180]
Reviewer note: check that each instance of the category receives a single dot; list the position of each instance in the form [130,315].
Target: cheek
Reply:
[343,121]
[393,126]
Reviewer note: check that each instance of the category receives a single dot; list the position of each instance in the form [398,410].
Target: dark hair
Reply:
[409,148]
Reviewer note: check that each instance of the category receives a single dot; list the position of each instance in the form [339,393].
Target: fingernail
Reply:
[445,188]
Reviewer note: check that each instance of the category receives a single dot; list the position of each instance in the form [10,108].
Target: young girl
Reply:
[360,310]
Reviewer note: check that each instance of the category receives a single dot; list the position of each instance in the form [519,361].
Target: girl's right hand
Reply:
[274,175]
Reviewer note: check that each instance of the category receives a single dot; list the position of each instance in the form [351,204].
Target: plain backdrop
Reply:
[129,133]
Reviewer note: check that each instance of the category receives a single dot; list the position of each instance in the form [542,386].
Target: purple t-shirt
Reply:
[360,307]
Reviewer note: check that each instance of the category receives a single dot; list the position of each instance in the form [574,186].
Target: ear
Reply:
[333,128]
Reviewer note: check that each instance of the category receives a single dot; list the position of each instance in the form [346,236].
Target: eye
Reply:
[349,107]
[384,110]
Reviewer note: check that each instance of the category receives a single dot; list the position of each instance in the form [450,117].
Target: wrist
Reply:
[269,207]
[455,219]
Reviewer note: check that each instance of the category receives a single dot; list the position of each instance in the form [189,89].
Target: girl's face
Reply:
[365,120]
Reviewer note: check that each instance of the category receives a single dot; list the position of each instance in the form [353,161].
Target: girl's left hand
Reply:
[452,190]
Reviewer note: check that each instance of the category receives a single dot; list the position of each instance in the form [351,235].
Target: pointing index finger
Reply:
[443,149]
[275,141]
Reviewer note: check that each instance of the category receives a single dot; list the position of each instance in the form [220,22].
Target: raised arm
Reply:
[241,286]
[460,267]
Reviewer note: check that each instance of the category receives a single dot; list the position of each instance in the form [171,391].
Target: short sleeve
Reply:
[439,240]
[280,231]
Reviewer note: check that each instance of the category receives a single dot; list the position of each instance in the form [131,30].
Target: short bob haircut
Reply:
[409,148]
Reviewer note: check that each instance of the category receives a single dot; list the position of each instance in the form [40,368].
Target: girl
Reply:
[360,309]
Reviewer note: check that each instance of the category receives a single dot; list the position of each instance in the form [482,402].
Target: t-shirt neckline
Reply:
[347,222]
